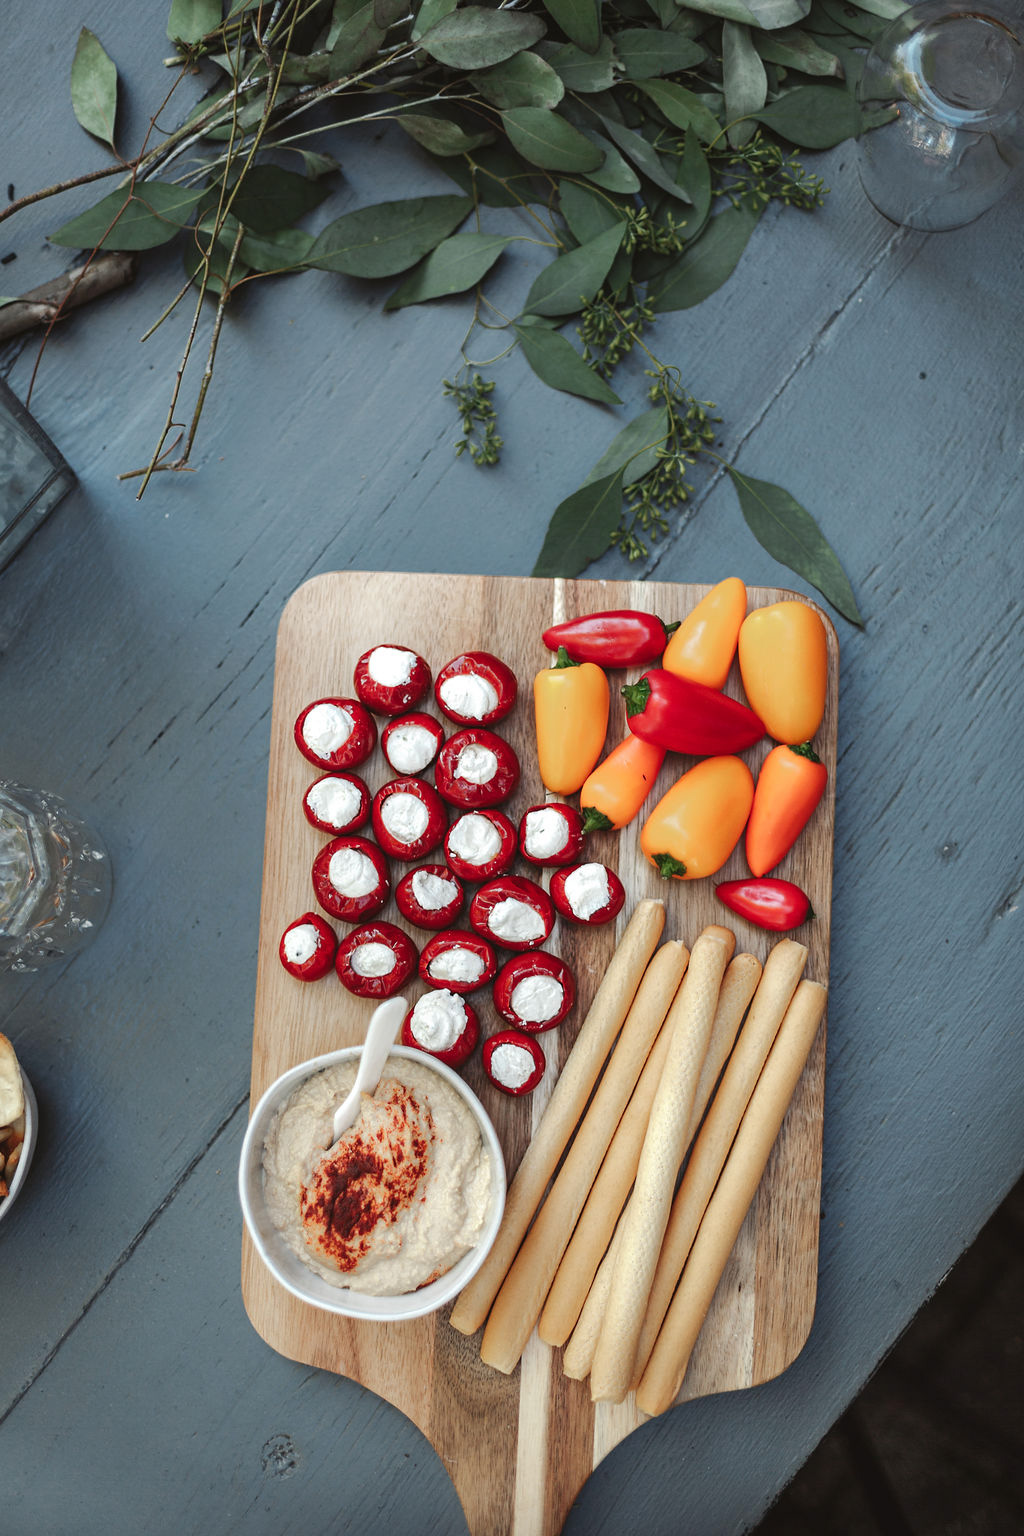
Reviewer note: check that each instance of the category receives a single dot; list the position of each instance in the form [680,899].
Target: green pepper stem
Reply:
[563,659]
[595,820]
[804,749]
[667,866]
[636,696]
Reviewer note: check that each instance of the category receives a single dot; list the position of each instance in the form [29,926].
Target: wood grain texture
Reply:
[519,1448]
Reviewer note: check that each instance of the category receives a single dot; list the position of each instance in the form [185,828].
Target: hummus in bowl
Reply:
[392,1220]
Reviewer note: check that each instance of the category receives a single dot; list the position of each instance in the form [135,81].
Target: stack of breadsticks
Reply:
[686,1061]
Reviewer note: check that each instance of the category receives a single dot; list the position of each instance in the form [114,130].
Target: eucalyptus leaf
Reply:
[707,263]
[131,221]
[270,198]
[744,81]
[341,12]
[614,174]
[94,87]
[588,212]
[584,72]
[580,20]
[357,42]
[768,14]
[429,14]
[192,20]
[387,238]
[695,176]
[635,449]
[475,38]
[581,527]
[790,535]
[813,116]
[666,12]
[456,264]
[682,108]
[556,362]
[888,10]
[852,19]
[441,135]
[496,177]
[387,12]
[546,139]
[571,280]
[796,49]
[283,250]
[525,80]
[636,148]
[646,52]
[315,163]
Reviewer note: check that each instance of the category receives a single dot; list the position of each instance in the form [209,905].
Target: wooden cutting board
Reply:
[520,1447]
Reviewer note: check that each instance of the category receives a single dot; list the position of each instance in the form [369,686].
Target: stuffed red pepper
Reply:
[512,911]
[335,733]
[376,960]
[588,893]
[350,878]
[476,768]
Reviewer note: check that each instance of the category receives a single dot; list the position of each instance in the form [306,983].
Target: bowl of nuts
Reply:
[19,1120]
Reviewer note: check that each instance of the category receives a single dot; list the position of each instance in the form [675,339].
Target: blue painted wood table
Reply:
[873,371]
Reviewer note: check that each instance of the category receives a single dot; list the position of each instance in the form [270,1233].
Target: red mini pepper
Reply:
[514,1061]
[512,911]
[308,947]
[430,896]
[409,818]
[475,688]
[391,679]
[431,1028]
[621,637]
[778,905]
[534,991]
[476,768]
[684,716]
[376,960]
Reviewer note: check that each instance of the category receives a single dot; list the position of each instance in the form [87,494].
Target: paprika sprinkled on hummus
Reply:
[399,1199]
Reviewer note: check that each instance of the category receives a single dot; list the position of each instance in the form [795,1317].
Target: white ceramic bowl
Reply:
[282,1261]
[17,1179]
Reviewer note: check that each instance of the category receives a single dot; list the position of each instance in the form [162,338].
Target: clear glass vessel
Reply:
[55,880]
[949,82]
[33,475]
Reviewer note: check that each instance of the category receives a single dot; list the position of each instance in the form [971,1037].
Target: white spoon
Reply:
[381,1034]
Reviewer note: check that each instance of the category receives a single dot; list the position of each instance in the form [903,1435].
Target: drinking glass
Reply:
[55,880]
[949,83]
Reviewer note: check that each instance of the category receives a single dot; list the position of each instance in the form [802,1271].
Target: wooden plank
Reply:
[519,1447]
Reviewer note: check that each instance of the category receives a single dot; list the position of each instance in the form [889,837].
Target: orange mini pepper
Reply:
[703,646]
[570,704]
[613,794]
[783,651]
[697,823]
[791,782]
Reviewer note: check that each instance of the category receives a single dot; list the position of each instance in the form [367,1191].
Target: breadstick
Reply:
[782,972]
[662,1153]
[518,1303]
[578,1355]
[568,1099]
[608,1195]
[612,1185]
[732,1199]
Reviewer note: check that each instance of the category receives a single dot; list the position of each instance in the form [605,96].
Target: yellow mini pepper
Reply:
[571,702]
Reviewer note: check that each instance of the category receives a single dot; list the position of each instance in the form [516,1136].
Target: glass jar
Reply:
[948,84]
[55,881]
